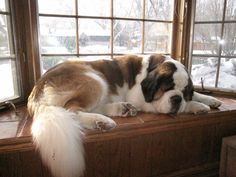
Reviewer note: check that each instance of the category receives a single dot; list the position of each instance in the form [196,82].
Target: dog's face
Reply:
[167,85]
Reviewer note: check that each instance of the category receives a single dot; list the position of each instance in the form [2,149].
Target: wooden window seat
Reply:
[147,145]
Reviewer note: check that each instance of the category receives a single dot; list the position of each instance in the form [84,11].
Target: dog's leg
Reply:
[95,121]
[208,100]
[91,120]
[122,109]
[196,107]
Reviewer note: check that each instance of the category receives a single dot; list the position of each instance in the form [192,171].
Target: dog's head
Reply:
[167,85]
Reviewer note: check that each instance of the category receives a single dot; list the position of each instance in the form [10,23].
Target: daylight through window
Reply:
[8,74]
[214,44]
[91,29]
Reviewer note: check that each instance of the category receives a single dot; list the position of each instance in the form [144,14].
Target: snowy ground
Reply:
[207,71]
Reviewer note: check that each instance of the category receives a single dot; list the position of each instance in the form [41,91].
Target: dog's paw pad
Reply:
[105,125]
[128,110]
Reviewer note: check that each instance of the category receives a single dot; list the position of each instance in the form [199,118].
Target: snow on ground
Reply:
[207,71]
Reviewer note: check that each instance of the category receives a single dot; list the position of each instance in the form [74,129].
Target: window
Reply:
[92,29]
[8,66]
[213,52]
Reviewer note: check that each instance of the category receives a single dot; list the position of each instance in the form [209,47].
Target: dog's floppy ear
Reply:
[149,87]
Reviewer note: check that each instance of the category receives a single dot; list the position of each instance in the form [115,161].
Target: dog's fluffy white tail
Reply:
[58,137]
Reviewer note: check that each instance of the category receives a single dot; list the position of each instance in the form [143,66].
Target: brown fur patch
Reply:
[67,79]
[130,68]
[154,61]
[159,79]
[118,71]
[188,90]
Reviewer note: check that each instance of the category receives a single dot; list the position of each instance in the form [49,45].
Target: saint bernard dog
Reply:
[75,95]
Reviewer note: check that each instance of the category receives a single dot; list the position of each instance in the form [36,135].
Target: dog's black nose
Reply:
[176,99]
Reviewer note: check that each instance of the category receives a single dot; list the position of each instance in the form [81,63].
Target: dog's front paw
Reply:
[128,110]
[200,108]
[196,107]
[105,125]
[213,102]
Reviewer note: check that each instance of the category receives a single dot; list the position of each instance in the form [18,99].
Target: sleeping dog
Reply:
[76,94]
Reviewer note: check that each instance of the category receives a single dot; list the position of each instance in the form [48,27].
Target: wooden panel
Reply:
[141,157]
[10,165]
[119,161]
[97,159]
[30,160]
[180,149]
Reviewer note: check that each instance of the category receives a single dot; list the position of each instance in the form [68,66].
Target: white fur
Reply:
[135,94]
[104,86]
[208,100]
[91,120]
[196,107]
[180,76]
[58,137]
[163,104]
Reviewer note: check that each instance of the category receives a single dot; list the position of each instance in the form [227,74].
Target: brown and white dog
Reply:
[75,95]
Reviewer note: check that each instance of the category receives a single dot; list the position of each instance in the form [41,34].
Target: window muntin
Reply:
[104,28]
[213,45]
[9,75]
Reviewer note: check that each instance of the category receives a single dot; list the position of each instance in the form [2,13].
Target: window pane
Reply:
[94,7]
[210,10]
[229,40]
[127,36]
[6,48]
[57,35]
[159,9]
[8,79]
[131,9]
[57,7]
[49,62]
[157,37]
[206,39]
[94,36]
[230,10]
[3,5]
[93,58]
[205,68]
[227,76]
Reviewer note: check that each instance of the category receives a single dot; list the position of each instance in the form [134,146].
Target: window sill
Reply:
[15,134]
